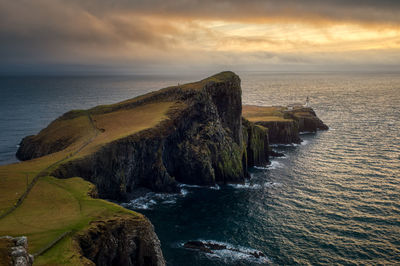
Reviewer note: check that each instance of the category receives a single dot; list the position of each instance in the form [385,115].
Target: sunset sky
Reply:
[125,36]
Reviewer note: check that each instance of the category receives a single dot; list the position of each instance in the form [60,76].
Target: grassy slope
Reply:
[56,206]
[266,114]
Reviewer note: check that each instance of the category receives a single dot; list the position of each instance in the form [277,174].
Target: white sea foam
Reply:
[306,132]
[273,165]
[184,192]
[190,186]
[216,187]
[246,186]
[285,156]
[272,184]
[305,142]
[149,200]
[234,254]
[284,145]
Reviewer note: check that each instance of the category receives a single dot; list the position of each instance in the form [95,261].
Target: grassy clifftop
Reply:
[46,209]
[255,113]
[284,124]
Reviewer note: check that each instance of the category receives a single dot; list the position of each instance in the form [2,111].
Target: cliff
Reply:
[65,225]
[307,119]
[284,125]
[190,134]
[120,241]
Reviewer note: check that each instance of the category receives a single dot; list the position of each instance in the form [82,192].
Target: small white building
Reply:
[307,102]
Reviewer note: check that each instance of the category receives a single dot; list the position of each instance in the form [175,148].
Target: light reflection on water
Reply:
[335,199]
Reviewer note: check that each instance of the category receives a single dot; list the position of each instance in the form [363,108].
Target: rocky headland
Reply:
[193,134]
[284,123]
[197,137]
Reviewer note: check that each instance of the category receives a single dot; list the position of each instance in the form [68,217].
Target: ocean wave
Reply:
[246,186]
[273,165]
[215,187]
[305,142]
[272,184]
[233,254]
[306,132]
[255,186]
[189,186]
[149,200]
[284,145]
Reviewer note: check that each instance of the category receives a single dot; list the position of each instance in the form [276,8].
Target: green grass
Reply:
[264,113]
[55,206]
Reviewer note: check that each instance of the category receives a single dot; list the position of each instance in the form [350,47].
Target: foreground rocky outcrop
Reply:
[14,251]
[120,241]
[202,141]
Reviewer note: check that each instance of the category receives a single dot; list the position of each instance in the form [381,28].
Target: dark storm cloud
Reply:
[91,31]
[365,11]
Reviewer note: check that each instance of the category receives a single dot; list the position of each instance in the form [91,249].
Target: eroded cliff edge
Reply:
[198,139]
[284,124]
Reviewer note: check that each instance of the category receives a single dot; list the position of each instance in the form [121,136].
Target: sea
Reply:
[334,199]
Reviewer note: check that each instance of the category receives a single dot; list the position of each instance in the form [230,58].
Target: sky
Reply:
[163,36]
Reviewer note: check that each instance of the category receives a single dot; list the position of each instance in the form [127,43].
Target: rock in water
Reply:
[210,247]
[197,245]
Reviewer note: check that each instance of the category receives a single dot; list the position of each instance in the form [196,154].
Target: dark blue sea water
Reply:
[334,199]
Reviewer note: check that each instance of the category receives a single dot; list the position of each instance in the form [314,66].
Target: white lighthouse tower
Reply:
[307,102]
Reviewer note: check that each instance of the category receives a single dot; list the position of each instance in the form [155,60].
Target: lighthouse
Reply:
[307,102]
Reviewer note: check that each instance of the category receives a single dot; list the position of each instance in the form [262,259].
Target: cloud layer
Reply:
[142,34]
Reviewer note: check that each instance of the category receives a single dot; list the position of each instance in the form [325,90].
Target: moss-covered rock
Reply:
[283,132]
[257,143]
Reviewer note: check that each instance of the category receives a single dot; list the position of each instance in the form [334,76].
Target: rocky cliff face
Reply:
[307,119]
[284,125]
[202,142]
[283,132]
[256,143]
[120,241]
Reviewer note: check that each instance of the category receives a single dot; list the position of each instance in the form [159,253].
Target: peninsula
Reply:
[193,134]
